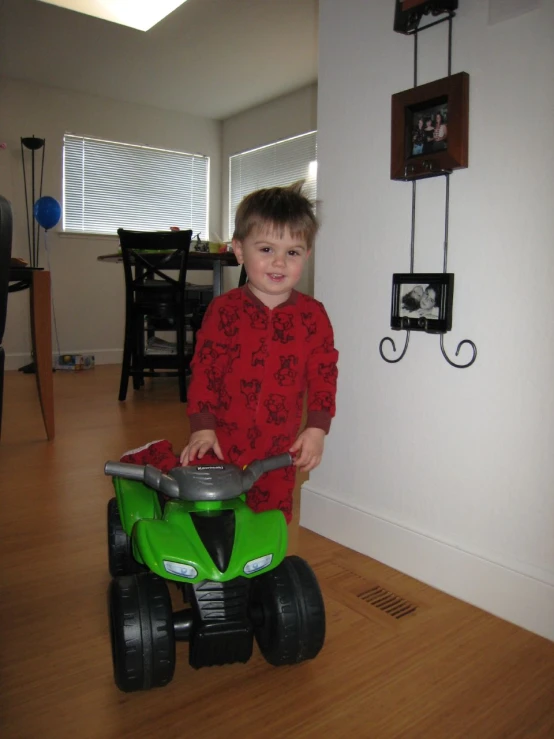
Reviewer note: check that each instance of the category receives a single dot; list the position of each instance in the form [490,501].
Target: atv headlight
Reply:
[257,564]
[176,568]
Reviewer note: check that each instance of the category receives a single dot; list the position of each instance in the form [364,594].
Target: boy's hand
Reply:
[308,448]
[200,442]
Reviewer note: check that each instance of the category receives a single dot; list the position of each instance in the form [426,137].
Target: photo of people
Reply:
[420,301]
[429,130]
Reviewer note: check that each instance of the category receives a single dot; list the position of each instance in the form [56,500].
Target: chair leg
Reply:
[181,359]
[243,279]
[137,361]
[2,355]
[140,350]
[196,323]
[126,362]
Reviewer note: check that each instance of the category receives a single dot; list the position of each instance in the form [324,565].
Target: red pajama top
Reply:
[252,369]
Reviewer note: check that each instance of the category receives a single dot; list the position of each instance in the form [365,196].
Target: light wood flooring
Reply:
[445,670]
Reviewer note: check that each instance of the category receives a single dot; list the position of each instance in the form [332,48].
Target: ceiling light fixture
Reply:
[139,14]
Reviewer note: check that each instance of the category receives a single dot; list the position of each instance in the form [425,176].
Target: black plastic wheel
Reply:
[142,635]
[120,552]
[288,613]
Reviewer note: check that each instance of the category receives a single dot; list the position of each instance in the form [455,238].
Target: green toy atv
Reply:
[192,526]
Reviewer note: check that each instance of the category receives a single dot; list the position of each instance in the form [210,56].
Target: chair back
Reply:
[150,261]
[5,258]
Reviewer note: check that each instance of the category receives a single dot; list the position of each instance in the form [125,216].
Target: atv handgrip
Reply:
[275,463]
[126,470]
[255,470]
[147,474]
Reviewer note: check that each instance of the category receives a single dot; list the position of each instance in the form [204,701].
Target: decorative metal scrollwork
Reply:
[387,338]
[464,341]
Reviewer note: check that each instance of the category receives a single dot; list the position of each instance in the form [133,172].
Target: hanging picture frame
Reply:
[430,128]
[408,13]
[422,302]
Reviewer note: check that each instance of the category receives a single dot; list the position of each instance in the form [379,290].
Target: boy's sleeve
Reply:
[202,394]
[322,373]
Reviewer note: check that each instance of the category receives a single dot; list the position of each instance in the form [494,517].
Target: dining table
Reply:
[197,260]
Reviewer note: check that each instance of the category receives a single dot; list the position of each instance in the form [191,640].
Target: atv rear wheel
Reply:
[142,635]
[288,613]
[120,551]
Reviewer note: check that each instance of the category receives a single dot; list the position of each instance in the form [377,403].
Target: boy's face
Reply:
[429,298]
[274,261]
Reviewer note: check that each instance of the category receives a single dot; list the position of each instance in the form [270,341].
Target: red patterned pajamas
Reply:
[253,368]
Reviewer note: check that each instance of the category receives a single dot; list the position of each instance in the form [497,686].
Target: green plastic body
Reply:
[172,536]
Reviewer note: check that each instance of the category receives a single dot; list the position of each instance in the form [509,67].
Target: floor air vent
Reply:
[372,600]
[391,604]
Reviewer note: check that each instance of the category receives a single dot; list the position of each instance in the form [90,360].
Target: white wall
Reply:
[285,116]
[88,295]
[443,473]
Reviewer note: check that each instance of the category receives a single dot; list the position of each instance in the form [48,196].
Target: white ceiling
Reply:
[212,58]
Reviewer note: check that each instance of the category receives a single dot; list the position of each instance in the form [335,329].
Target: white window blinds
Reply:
[277,164]
[110,185]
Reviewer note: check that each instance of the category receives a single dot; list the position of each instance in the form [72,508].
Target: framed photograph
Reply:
[429,128]
[408,13]
[422,302]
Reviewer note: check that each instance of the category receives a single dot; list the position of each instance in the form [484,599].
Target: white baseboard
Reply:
[101,356]
[503,591]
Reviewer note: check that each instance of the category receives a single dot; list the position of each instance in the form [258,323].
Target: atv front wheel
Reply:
[142,635]
[288,613]
[120,552]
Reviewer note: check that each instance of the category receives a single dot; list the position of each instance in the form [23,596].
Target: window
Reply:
[281,163]
[109,185]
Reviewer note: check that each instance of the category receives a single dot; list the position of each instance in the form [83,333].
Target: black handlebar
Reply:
[199,482]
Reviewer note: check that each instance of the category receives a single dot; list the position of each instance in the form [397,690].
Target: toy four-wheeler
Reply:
[192,526]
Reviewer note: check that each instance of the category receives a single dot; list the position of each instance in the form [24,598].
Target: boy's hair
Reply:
[410,303]
[277,207]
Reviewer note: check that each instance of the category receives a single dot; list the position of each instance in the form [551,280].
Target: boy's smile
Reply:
[274,260]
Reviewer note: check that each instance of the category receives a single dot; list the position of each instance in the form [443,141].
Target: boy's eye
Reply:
[293,253]
[265,249]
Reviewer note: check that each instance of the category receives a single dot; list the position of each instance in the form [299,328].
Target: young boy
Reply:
[263,347]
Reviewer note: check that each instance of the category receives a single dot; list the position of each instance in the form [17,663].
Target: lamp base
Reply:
[28,369]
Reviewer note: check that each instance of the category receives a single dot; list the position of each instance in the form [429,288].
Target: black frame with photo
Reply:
[408,13]
[450,94]
[403,318]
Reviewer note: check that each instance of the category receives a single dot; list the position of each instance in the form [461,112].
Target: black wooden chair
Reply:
[5,257]
[155,267]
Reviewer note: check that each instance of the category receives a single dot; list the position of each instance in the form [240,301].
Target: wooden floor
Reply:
[444,670]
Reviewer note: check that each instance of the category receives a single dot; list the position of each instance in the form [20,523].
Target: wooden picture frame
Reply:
[408,13]
[445,148]
[422,302]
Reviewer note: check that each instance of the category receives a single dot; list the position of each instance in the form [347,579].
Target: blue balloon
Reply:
[47,211]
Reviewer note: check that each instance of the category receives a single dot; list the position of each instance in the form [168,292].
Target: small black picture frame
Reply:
[408,13]
[422,302]
[429,128]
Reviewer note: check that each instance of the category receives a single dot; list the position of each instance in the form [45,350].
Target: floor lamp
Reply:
[32,144]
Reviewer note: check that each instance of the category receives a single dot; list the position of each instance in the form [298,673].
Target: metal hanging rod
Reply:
[445,269]
[386,339]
